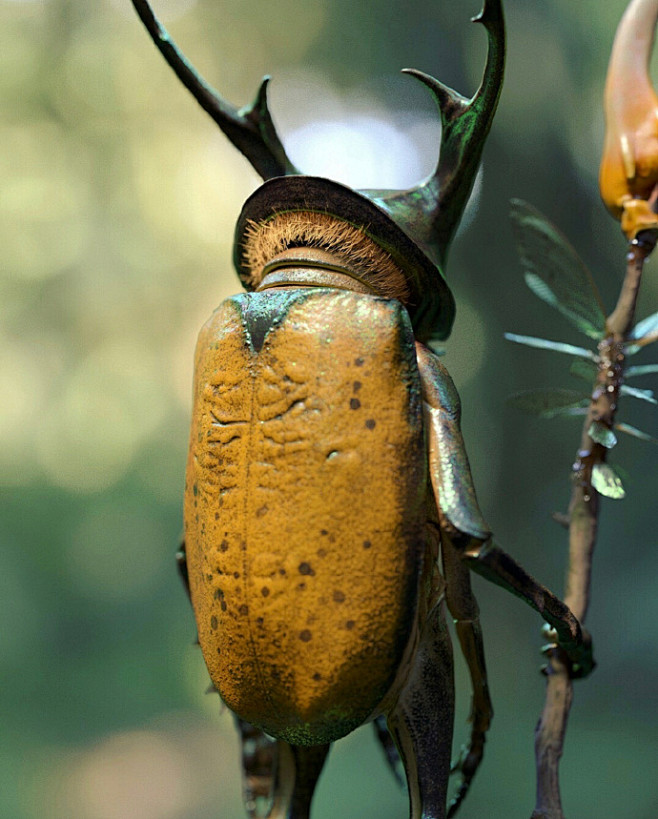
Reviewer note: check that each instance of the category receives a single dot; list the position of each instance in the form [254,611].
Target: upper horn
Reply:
[250,129]
[432,210]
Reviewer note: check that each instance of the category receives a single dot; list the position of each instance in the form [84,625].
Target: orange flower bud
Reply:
[628,178]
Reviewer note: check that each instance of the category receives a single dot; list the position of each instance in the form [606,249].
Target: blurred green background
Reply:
[118,197]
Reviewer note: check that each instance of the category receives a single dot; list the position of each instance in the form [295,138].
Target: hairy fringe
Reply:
[350,245]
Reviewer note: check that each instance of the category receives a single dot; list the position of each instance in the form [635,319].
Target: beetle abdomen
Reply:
[304,508]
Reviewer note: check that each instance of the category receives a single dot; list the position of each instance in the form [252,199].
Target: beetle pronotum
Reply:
[327,478]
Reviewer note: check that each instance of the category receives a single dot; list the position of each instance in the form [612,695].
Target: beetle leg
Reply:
[421,720]
[298,770]
[278,779]
[449,469]
[259,758]
[181,563]
[464,608]
[495,565]
[462,521]
[390,750]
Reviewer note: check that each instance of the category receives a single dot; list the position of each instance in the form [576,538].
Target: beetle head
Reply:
[412,228]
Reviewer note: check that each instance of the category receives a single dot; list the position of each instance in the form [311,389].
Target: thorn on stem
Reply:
[561,519]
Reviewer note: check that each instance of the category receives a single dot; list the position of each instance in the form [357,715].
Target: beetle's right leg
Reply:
[421,720]
[461,518]
[464,609]
[389,747]
[278,779]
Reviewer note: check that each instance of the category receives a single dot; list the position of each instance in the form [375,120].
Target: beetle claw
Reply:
[466,764]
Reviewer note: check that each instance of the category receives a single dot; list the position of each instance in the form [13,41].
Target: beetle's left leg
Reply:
[464,609]
[181,563]
[421,720]
[259,762]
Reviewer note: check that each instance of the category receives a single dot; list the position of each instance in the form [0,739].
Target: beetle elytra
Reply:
[330,514]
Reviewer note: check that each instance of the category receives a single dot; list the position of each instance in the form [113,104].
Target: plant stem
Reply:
[583,525]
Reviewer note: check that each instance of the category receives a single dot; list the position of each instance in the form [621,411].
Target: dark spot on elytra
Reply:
[356,386]
[223,546]
[282,572]
[317,676]
[218,594]
[305,635]
[236,575]
[223,605]
[216,515]
[213,623]
[195,490]
[358,362]
[349,625]
[219,651]
[322,553]
[262,511]
[243,610]
[323,532]
[367,544]
[301,586]
[265,591]
[339,597]
[370,423]
[208,577]
[305,568]
[354,403]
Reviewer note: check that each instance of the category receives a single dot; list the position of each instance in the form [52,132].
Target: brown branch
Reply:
[583,525]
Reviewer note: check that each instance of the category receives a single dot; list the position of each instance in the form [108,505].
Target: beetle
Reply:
[330,513]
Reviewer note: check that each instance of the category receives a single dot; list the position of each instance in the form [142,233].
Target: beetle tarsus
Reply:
[467,764]
[490,561]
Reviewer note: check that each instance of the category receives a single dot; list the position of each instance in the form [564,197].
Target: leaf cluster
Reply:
[556,274]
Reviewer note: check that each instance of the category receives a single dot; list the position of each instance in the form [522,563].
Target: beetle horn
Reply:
[432,210]
[250,129]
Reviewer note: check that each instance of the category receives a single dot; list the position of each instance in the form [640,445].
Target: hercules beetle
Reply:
[327,478]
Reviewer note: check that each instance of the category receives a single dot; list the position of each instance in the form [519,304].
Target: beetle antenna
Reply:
[250,129]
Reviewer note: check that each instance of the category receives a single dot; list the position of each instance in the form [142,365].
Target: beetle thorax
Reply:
[308,249]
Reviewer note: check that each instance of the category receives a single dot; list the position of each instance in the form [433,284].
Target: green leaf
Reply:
[646,327]
[554,271]
[606,481]
[633,392]
[636,433]
[587,370]
[643,369]
[601,434]
[547,403]
[545,344]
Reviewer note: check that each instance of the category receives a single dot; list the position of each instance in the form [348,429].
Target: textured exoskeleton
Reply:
[330,515]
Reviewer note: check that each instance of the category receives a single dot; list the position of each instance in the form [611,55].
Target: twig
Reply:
[583,525]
